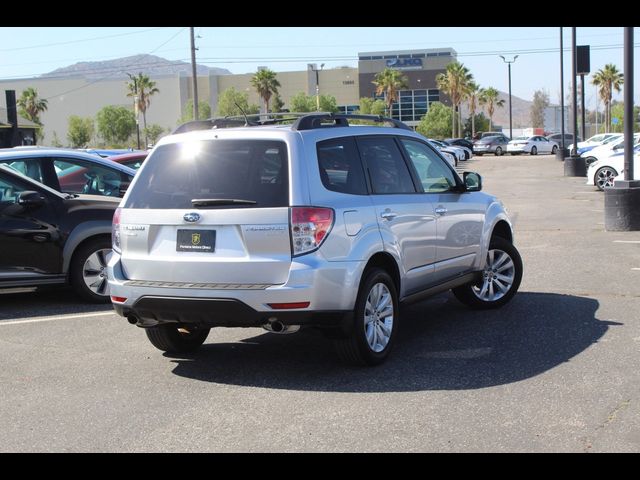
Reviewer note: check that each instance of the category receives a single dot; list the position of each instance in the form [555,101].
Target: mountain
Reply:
[521,112]
[118,68]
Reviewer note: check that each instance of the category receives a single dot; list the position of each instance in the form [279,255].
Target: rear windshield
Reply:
[246,170]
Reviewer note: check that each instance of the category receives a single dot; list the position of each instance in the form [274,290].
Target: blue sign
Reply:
[614,120]
[405,63]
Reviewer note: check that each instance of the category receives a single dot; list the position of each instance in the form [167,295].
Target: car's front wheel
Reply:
[604,177]
[534,150]
[375,321]
[498,151]
[499,280]
[172,339]
[88,270]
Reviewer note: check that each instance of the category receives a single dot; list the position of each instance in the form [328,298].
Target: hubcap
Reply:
[497,276]
[94,272]
[604,178]
[378,317]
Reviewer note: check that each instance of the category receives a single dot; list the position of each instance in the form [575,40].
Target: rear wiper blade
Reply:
[206,202]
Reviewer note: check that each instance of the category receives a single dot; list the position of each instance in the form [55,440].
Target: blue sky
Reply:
[30,51]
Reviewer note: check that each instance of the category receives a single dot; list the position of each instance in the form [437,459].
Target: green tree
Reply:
[454,82]
[266,84]
[142,87]
[229,101]
[608,79]
[55,141]
[489,97]
[301,102]
[278,104]
[540,102]
[153,132]
[437,122]
[477,122]
[388,83]
[80,131]
[204,111]
[31,106]
[115,124]
[371,106]
[472,95]
[617,111]
[328,103]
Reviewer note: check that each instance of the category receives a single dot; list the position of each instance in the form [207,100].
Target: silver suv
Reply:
[317,223]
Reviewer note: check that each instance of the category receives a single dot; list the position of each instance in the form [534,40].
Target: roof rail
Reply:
[328,120]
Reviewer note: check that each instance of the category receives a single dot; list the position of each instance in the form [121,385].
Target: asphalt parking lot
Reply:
[556,370]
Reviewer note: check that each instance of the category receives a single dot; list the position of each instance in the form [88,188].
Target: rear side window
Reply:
[175,174]
[387,169]
[340,166]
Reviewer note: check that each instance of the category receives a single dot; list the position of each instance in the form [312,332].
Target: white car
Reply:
[457,152]
[612,145]
[601,173]
[593,141]
[532,145]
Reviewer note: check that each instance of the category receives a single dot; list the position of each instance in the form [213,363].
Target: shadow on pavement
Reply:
[442,345]
[46,301]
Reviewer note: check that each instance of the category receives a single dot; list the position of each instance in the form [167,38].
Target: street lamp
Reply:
[317,85]
[510,116]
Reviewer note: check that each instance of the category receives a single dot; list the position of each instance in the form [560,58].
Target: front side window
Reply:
[78,176]
[340,166]
[434,175]
[30,167]
[9,190]
[387,170]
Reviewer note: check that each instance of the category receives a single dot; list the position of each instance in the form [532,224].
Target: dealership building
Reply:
[85,97]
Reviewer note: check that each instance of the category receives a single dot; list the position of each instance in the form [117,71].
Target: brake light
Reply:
[309,227]
[115,231]
[118,299]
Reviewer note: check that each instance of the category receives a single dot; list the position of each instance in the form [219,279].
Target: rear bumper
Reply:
[149,311]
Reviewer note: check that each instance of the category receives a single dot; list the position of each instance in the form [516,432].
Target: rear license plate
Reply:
[196,241]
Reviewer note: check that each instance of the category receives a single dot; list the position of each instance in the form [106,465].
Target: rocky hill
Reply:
[118,68]
[521,112]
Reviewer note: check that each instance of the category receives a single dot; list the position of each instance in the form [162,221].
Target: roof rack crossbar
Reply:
[324,120]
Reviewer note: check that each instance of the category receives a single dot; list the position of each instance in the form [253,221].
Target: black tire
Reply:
[498,151]
[354,349]
[173,339]
[80,270]
[554,150]
[468,294]
[534,150]
[604,177]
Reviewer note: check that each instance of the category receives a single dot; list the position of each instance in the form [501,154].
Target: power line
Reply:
[79,41]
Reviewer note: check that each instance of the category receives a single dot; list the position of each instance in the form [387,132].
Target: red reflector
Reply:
[286,306]
[118,299]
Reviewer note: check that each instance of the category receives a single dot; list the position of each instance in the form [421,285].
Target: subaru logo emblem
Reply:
[191,217]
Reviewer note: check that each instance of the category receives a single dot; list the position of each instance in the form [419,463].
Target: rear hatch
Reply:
[209,212]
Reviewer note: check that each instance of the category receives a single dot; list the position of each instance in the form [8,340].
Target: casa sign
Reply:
[405,63]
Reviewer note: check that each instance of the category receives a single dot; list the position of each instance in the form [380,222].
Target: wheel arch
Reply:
[83,233]
[386,262]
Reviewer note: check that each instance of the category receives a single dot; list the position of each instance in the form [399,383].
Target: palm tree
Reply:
[388,82]
[489,97]
[266,84]
[454,83]
[143,88]
[472,95]
[607,79]
[31,106]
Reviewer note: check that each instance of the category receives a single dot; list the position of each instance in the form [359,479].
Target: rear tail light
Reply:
[309,227]
[115,231]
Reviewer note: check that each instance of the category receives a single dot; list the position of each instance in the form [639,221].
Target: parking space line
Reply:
[626,241]
[56,317]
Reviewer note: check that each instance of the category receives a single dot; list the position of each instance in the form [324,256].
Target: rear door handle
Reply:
[440,210]
[388,215]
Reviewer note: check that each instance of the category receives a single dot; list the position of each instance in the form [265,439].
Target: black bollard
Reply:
[575,167]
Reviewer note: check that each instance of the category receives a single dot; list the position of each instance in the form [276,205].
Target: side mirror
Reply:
[30,199]
[472,181]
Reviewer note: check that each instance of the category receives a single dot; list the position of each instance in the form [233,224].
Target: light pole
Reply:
[136,110]
[194,75]
[315,69]
[510,115]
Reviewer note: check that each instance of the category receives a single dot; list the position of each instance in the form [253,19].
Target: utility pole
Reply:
[194,75]
[563,151]
[574,164]
[510,112]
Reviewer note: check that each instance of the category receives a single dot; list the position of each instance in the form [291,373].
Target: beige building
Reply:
[83,97]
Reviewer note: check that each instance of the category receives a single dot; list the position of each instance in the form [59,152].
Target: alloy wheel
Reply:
[497,277]
[378,317]
[94,271]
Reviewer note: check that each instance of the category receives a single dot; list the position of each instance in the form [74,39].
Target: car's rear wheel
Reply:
[534,150]
[88,270]
[172,339]
[499,280]
[554,149]
[375,321]
[498,151]
[604,177]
